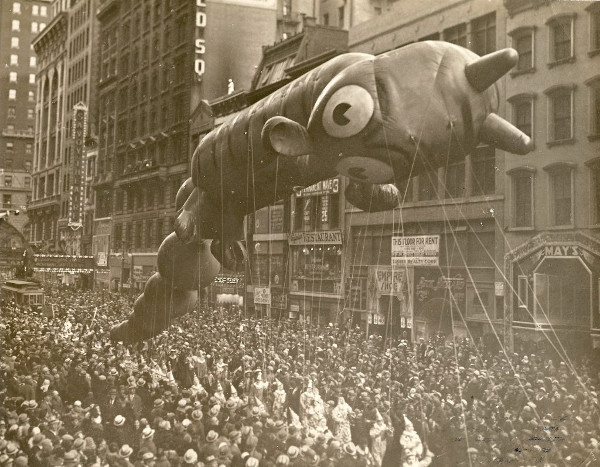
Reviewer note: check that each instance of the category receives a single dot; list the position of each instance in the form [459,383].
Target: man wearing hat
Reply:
[112,406]
[148,459]
[147,441]
[134,402]
[196,428]
[190,457]
[124,453]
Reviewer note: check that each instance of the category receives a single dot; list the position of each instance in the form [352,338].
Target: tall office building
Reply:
[64,120]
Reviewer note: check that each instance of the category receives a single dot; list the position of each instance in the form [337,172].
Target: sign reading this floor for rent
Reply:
[416,250]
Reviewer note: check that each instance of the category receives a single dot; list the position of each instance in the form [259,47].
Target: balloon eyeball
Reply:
[348,111]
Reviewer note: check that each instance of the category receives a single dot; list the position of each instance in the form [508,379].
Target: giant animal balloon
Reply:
[375,119]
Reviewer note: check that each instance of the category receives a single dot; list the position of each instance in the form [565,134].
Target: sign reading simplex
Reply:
[325,237]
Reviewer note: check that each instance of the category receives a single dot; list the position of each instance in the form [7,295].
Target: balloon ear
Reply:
[286,137]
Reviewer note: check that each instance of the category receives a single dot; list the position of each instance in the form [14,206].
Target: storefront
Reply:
[389,312]
[555,280]
[227,290]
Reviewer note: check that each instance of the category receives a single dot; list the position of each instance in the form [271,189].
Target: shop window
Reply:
[480,301]
[562,291]
[483,34]
[523,294]
[317,268]
[560,116]
[456,35]
[455,180]
[560,30]
[561,189]
[594,106]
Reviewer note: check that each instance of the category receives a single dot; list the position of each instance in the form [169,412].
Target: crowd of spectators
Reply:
[222,389]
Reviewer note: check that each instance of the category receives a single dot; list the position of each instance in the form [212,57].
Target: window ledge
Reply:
[560,227]
[595,137]
[594,226]
[562,61]
[593,53]
[520,229]
[560,142]
[522,72]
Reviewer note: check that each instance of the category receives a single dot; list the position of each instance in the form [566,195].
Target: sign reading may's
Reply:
[416,250]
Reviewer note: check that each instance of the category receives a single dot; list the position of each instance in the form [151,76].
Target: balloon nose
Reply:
[486,70]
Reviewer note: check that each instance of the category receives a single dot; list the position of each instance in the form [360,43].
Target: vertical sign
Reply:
[199,41]
[77,190]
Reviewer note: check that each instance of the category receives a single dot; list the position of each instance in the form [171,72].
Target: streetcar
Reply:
[23,293]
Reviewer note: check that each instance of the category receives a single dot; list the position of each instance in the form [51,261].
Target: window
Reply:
[561,34]
[16,25]
[483,169]
[27,182]
[7,201]
[12,94]
[8,181]
[14,42]
[522,193]
[32,61]
[427,185]
[560,111]
[42,26]
[522,112]
[594,10]
[455,180]
[11,112]
[523,43]
[594,166]
[34,26]
[43,11]
[16,8]
[14,59]
[10,147]
[341,17]
[483,34]
[326,19]
[12,77]
[561,193]
[31,96]
[30,114]
[31,78]
[594,87]
[28,148]
[456,35]
[35,10]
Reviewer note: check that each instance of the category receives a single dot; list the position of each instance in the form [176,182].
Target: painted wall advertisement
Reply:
[416,250]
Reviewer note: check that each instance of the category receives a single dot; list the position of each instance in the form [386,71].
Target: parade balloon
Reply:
[375,119]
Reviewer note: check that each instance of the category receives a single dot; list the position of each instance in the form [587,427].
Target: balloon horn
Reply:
[499,133]
[486,70]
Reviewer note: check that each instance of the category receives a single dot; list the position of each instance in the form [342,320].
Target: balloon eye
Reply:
[348,111]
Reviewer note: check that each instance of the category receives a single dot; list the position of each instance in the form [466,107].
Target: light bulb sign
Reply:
[199,41]
[77,189]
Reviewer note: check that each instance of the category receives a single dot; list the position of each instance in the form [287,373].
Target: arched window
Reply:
[521,211]
[561,193]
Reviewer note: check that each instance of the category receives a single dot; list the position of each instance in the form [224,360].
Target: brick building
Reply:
[552,209]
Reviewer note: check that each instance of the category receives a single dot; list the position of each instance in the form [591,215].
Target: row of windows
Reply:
[141,234]
[560,105]
[36,10]
[561,35]
[12,77]
[35,26]
[14,60]
[561,195]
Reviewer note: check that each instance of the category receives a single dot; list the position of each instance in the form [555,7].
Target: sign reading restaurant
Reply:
[416,250]
[325,237]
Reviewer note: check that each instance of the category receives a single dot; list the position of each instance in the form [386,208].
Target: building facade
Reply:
[20,22]
[454,213]
[15,194]
[65,111]
[552,213]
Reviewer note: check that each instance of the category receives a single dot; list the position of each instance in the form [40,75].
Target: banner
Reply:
[323,187]
[417,250]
